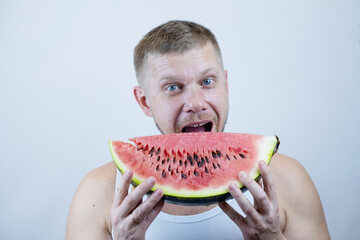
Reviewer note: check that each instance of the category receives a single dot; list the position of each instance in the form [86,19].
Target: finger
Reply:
[269,184]
[122,188]
[260,182]
[142,210]
[256,205]
[132,199]
[154,212]
[232,214]
[141,200]
[243,202]
[258,193]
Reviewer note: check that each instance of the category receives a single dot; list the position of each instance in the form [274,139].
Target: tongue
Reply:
[194,129]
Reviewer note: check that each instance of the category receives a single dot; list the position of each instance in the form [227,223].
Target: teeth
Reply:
[198,125]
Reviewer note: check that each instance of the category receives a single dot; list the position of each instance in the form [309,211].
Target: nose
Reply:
[194,101]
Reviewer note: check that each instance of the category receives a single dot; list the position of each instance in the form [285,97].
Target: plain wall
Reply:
[66,79]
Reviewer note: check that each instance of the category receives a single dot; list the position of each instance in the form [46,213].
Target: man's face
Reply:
[185,92]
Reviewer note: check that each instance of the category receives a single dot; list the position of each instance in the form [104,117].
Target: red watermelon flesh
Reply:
[194,168]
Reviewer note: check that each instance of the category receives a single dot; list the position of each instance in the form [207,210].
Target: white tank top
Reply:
[212,224]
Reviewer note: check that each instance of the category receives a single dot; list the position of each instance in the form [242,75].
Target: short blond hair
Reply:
[172,37]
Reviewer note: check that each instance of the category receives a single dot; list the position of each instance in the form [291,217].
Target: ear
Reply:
[226,81]
[142,100]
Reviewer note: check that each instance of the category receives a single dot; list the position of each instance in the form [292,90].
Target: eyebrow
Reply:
[206,71]
[167,78]
[175,78]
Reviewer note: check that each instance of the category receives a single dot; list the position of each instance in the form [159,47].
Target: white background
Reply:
[66,79]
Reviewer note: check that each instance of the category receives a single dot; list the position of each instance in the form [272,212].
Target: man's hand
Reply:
[130,216]
[262,219]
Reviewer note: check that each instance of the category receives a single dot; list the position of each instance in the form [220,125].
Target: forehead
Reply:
[190,63]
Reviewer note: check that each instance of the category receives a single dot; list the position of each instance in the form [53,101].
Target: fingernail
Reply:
[158,192]
[242,175]
[127,172]
[232,187]
[262,164]
[150,180]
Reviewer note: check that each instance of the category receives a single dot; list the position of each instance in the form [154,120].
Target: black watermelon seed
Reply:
[196,173]
[157,151]
[163,162]
[234,157]
[174,160]
[214,165]
[158,158]
[213,154]
[199,164]
[168,160]
[196,157]
[192,163]
[218,165]
[202,160]
[242,155]
[218,153]
[152,150]
[177,170]
[180,162]
[183,175]
[185,163]
[206,158]
[206,170]
[169,168]
[140,149]
[157,168]
[227,157]
[189,157]
[163,174]
[151,155]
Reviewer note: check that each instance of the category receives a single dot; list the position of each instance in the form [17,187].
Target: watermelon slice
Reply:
[194,168]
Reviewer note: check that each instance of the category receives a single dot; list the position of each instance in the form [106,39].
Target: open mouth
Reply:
[199,127]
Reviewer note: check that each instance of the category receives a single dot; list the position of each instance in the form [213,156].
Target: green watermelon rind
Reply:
[206,195]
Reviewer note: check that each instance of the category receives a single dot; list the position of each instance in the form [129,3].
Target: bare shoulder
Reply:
[288,171]
[291,179]
[299,198]
[89,215]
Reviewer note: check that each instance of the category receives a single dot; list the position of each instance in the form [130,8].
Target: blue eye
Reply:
[172,88]
[207,81]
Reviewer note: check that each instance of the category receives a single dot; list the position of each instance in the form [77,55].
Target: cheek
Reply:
[165,111]
[221,101]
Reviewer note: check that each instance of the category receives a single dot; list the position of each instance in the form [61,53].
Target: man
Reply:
[184,87]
